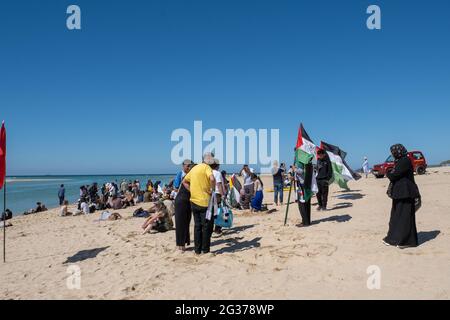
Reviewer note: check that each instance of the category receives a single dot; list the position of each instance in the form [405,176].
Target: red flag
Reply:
[2,155]
[299,137]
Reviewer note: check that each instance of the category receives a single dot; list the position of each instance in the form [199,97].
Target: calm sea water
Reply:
[23,192]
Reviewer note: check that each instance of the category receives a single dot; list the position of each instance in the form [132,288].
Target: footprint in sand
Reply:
[309,250]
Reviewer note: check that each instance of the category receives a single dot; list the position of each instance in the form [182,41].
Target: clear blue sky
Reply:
[106,99]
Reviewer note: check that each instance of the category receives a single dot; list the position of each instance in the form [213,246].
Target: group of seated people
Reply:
[115,197]
[40,207]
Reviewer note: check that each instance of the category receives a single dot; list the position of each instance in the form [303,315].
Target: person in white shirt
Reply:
[248,191]
[220,188]
[84,206]
[365,166]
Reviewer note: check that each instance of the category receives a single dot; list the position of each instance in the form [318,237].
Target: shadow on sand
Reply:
[237,229]
[343,218]
[345,191]
[351,196]
[342,205]
[233,245]
[84,255]
[425,236]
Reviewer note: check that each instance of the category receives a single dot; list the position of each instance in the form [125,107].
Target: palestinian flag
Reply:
[341,170]
[305,149]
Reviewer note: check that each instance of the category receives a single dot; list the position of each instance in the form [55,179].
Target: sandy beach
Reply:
[258,259]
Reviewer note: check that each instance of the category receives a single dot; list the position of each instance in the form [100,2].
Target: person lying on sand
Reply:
[159,220]
[111,216]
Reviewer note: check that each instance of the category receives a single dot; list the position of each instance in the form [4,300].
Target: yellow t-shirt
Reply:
[200,184]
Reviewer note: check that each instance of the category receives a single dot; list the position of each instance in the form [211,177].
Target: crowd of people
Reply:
[204,193]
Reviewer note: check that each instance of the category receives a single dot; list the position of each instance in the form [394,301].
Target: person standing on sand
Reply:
[365,167]
[183,212]
[186,167]
[200,183]
[404,192]
[257,200]
[61,194]
[219,190]
[248,191]
[277,173]
[324,175]
[123,186]
[303,178]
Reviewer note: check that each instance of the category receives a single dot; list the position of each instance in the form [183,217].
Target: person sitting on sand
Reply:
[159,220]
[63,211]
[128,201]
[257,200]
[147,196]
[40,207]
[84,206]
[115,203]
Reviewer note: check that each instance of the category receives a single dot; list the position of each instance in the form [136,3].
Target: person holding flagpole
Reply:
[304,153]
[303,178]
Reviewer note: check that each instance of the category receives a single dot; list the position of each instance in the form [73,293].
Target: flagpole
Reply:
[4,222]
[290,191]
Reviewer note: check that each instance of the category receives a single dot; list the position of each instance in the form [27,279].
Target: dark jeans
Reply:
[305,212]
[61,200]
[322,194]
[278,192]
[202,229]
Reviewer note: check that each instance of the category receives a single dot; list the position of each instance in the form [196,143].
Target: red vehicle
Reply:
[417,159]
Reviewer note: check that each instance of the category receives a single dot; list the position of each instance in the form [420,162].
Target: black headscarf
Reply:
[398,151]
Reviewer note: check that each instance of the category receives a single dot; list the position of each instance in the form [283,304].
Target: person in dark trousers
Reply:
[200,183]
[61,194]
[183,215]
[324,175]
[404,193]
[278,179]
[303,178]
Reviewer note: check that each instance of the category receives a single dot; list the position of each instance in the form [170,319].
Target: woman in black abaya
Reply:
[183,216]
[404,192]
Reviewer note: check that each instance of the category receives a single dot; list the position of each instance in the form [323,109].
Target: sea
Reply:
[22,192]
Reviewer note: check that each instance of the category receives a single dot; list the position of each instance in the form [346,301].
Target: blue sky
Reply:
[105,99]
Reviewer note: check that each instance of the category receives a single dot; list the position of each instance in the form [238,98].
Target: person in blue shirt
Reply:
[180,175]
[61,194]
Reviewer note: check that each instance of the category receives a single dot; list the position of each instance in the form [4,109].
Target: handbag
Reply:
[224,217]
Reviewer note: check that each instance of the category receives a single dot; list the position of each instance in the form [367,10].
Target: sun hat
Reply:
[208,158]
[187,162]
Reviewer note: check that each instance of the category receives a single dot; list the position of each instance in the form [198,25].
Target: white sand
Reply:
[260,258]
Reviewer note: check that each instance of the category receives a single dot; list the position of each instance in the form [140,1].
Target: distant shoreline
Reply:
[86,175]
